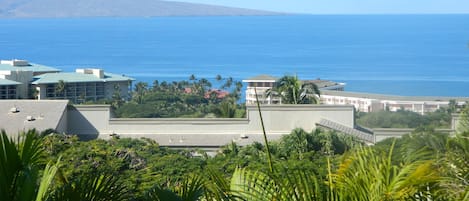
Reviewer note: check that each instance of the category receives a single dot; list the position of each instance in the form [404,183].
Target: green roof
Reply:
[51,78]
[8,82]
[32,67]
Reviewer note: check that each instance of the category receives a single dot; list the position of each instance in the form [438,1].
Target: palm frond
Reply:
[46,181]
[19,162]
[159,194]
[92,187]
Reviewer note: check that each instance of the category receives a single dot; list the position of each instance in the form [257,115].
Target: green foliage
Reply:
[281,185]
[319,165]
[193,98]
[404,119]
[463,126]
[20,161]
[140,164]
[292,91]
[91,187]
[369,174]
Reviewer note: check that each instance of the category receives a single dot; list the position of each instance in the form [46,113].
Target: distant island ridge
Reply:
[116,8]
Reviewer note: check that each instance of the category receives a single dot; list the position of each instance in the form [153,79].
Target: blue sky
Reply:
[348,6]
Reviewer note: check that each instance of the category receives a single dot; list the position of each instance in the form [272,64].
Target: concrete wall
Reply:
[92,121]
[456,118]
[88,120]
[63,123]
[281,119]
[384,133]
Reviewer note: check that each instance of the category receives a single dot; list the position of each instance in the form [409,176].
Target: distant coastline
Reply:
[117,8]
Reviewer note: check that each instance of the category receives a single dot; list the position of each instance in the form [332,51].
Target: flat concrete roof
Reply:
[261,78]
[318,82]
[46,114]
[392,97]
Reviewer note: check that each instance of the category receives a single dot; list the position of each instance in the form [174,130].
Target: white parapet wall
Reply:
[94,121]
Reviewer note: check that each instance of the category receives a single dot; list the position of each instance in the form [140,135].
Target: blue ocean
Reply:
[419,55]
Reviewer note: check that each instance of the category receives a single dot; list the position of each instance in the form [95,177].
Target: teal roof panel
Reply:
[32,67]
[51,78]
[8,82]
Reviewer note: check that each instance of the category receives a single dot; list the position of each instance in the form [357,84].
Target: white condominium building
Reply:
[16,75]
[263,83]
[366,102]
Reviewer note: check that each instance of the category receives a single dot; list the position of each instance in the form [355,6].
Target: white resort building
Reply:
[83,85]
[16,75]
[20,79]
[332,93]
[263,83]
[366,102]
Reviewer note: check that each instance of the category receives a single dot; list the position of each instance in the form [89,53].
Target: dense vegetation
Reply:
[319,165]
[404,119]
[188,98]
[407,119]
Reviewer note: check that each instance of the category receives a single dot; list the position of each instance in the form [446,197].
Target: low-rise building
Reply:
[260,85]
[8,89]
[263,83]
[366,102]
[20,79]
[82,85]
[16,75]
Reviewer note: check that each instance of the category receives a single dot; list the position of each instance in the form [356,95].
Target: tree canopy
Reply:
[293,91]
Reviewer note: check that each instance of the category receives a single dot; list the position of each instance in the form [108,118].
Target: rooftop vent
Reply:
[15,62]
[14,110]
[243,136]
[30,118]
[93,71]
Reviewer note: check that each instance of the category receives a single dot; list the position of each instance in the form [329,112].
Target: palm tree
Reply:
[141,89]
[91,187]
[218,78]
[117,100]
[283,185]
[191,189]
[60,89]
[292,91]
[226,109]
[455,166]
[20,160]
[369,174]
[192,77]
[228,83]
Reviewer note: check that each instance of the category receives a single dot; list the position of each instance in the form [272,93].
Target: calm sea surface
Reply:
[393,54]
